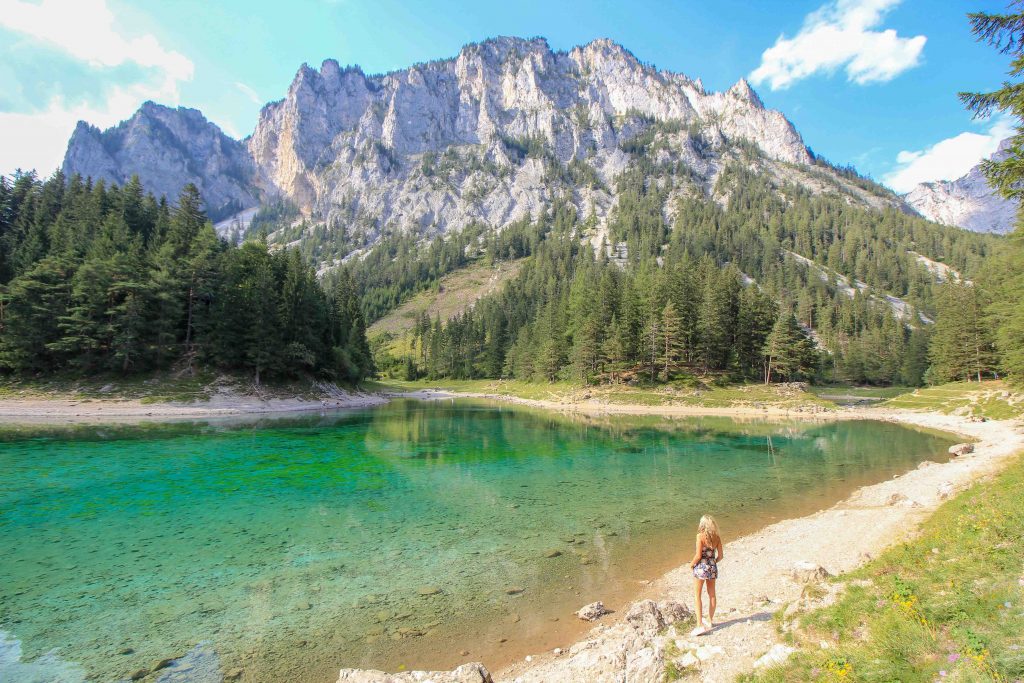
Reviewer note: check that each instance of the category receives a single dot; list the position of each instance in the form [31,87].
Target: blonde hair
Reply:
[707,531]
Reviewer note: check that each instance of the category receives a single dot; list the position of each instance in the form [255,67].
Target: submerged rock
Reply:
[592,612]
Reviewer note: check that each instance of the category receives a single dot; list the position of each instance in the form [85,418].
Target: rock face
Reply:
[493,135]
[392,149]
[967,202]
[167,148]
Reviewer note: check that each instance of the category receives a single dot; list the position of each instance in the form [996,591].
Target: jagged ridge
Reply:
[439,145]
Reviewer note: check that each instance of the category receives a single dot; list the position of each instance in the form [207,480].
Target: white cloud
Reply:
[947,159]
[84,30]
[842,34]
[249,92]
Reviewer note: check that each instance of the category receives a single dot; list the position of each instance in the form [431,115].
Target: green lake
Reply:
[401,535]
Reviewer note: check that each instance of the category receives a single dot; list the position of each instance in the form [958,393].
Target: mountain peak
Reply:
[743,91]
[343,146]
[968,202]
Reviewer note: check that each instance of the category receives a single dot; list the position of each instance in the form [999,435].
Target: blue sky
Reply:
[866,82]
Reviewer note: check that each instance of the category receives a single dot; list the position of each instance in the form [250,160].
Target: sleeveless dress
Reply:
[706,568]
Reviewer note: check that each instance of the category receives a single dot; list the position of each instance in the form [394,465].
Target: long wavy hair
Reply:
[707,530]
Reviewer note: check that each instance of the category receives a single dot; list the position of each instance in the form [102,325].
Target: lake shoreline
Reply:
[62,410]
[754,580]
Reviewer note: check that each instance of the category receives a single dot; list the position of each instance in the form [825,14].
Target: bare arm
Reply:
[721,552]
[696,555]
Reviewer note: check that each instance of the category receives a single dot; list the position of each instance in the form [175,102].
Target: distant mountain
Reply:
[492,135]
[967,202]
[168,148]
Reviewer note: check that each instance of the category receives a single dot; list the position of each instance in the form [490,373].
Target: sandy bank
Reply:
[224,404]
[597,407]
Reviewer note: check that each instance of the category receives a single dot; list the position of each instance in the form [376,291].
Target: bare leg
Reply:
[699,606]
[712,601]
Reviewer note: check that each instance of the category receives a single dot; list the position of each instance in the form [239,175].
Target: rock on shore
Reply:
[467,673]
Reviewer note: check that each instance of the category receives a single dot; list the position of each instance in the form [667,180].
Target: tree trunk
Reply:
[188,325]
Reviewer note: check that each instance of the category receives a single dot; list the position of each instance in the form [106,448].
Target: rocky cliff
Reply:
[967,202]
[167,148]
[492,135]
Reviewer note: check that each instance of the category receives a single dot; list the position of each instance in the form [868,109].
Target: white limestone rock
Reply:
[778,654]
[467,673]
[967,202]
[592,612]
[961,449]
[808,572]
[436,146]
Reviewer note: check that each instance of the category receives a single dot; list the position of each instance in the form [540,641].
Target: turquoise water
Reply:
[394,536]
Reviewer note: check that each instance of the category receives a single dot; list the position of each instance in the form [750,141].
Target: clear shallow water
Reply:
[398,535]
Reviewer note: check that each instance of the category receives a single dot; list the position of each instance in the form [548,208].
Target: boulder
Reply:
[808,572]
[896,499]
[644,616]
[672,611]
[467,673]
[687,660]
[592,612]
[900,500]
[777,655]
[706,652]
[961,449]
[946,489]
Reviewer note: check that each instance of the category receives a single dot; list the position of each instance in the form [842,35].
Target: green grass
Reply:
[992,399]
[455,293]
[950,601]
[859,392]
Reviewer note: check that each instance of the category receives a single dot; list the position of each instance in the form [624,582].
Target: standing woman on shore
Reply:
[705,570]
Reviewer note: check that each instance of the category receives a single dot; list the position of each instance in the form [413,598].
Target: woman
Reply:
[705,570]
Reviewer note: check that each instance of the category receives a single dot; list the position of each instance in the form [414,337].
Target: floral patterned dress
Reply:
[706,568]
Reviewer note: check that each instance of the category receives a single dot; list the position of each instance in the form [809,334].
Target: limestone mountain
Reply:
[967,202]
[167,148]
[490,136]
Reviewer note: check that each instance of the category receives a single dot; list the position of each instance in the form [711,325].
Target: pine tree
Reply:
[671,338]
[961,347]
[1005,279]
[787,350]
